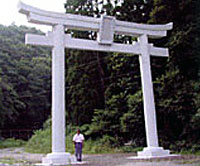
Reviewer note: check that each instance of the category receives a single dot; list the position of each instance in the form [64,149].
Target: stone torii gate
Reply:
[106,27]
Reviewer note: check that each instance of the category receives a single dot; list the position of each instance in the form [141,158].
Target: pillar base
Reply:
[58,158]
[153,152]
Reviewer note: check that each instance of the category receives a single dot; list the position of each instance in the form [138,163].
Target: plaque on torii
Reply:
[106,27]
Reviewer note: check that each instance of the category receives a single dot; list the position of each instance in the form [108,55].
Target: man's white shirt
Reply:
[78,138]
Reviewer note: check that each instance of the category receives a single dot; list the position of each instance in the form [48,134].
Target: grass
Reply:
[41,143]
[13,161]
[6,160]
[129,149]
[190,152]
[11,142]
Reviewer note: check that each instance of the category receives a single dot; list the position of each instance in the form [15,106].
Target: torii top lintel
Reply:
[78,22]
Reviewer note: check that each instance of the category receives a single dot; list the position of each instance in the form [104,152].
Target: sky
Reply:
[9,13]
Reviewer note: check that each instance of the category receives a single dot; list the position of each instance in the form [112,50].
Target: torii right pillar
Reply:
[152,150]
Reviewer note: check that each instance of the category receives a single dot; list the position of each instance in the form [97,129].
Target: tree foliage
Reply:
[103,90]
[24,80]
[174,78]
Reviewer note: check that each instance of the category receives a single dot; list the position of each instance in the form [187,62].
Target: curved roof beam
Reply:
[78,22]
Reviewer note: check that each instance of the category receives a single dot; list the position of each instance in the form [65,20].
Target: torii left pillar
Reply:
[56,40]
[58,155]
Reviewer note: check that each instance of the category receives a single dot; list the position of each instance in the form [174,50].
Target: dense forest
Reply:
[103,90]
[25,78]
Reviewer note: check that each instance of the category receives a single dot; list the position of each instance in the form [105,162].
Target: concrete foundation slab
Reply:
[58,158]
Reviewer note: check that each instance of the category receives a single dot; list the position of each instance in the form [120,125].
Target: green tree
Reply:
[181,40]
[86,70]
[175,79]
[24,80]
[175,90]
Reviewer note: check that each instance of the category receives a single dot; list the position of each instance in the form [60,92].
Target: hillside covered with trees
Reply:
[103,90]
[25,77]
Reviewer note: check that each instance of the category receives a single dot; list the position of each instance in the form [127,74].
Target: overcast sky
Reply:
[9,13]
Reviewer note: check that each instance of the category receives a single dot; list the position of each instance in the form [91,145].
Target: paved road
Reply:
[122,160]
[22,158]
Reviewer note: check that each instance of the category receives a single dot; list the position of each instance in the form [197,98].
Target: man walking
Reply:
[78,142]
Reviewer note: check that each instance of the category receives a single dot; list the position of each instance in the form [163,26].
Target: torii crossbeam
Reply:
[106,27]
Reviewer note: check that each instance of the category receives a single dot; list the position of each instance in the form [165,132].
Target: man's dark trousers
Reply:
[78,148]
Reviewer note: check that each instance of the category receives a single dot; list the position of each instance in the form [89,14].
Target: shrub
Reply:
[11,142]
[40,142]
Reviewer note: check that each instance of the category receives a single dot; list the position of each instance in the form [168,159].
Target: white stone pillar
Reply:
[148,96]
[148,100]
[58,90]
[58,155]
